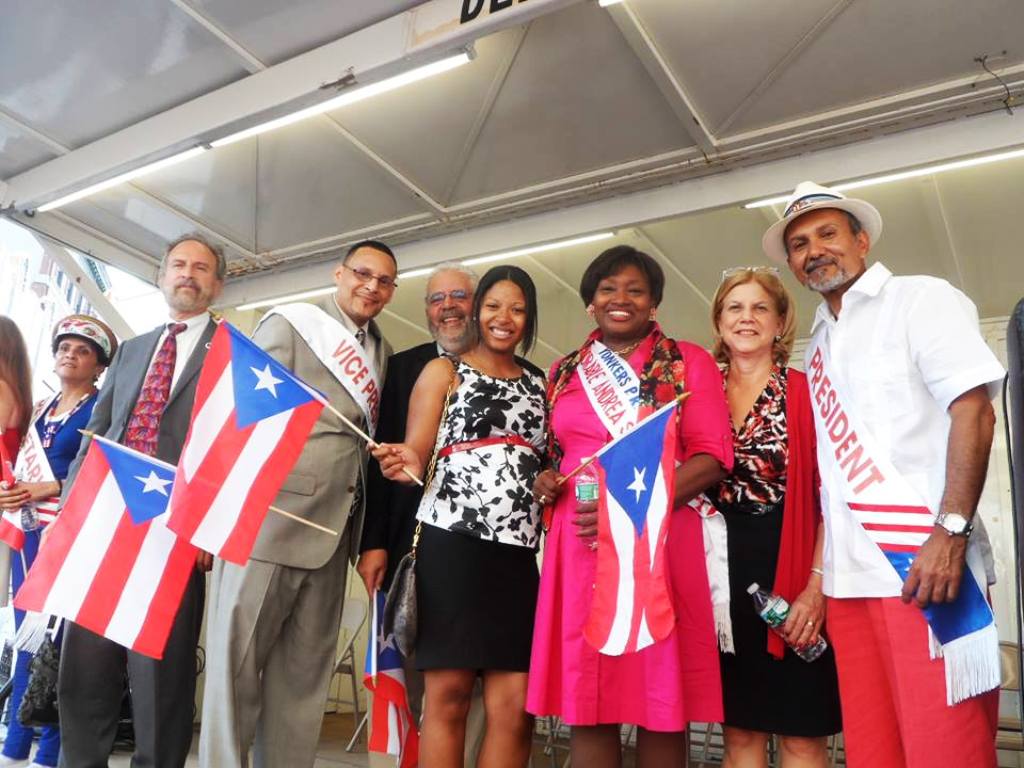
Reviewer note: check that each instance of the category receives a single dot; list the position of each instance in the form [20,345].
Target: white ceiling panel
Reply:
[19,151]
[216,188]
[444,111]
[575,100]
[274,31]
[722,49]
[92,68]
[891,47]
[313,183]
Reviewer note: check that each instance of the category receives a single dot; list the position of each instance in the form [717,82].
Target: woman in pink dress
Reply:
[676,680]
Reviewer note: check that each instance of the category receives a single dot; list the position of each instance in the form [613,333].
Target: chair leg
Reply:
[359,730]
[355,694]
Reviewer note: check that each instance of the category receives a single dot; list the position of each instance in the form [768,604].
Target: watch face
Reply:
[953,523]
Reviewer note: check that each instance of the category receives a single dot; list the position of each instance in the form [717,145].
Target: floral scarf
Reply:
[662,379]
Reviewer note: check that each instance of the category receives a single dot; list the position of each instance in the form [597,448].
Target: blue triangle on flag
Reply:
[631,467]
[263,387]
[145,483]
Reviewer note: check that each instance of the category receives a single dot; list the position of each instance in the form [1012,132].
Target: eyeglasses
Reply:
[726,273]
[366,276]
[438,297]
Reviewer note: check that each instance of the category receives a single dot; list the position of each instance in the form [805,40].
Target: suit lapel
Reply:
[195,362]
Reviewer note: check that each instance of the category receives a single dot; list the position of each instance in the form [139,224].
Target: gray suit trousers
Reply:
[271,639]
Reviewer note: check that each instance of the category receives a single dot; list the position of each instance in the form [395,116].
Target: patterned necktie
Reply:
[361,337]
[143,428]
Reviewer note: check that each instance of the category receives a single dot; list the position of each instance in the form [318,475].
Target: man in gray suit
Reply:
[146,402]
[274,622]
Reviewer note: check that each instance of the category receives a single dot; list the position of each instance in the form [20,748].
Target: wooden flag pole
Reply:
[289,515]
[593,458]
[302,520]
[369,440]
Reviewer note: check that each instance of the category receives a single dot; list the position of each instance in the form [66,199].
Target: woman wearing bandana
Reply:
[675,680]
[82,349]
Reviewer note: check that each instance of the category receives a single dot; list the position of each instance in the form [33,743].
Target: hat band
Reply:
[808,200]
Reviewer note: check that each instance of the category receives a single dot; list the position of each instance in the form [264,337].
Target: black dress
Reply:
[476,564]
[790,697]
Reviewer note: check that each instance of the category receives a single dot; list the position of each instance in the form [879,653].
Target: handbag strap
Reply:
[429,477]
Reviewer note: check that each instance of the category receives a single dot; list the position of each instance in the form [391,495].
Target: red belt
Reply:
[472,445]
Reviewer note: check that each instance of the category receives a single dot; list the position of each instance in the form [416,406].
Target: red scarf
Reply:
[801,513]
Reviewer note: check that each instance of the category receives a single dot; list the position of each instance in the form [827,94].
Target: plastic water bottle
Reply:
[586,484]
[774,609]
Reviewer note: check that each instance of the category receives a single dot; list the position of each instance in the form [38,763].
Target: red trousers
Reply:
[894,695]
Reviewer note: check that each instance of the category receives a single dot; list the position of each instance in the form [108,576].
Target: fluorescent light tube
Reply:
[928,170]
[539,248]
[289,297]
[420,271]
[128,176]
[604,3]
[350,97]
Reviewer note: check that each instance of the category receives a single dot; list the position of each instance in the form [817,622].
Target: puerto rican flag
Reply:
[631,607]
[392,730]
[250,421]
[110,563]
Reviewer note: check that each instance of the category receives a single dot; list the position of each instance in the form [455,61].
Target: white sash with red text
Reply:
[340,352]
[31,466]
[897,519]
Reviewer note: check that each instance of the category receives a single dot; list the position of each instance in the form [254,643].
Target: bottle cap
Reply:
[753,588]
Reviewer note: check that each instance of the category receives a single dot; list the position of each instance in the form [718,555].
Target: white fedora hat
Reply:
[808,197]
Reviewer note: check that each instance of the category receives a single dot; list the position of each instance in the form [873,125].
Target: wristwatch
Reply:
[955,524]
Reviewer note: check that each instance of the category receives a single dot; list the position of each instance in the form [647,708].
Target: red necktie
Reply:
[143,428]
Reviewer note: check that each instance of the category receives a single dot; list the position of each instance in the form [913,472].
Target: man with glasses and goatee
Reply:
[274,623]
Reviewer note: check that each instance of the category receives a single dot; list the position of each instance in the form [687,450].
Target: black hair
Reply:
[522,279]
[377,245]
[613,261]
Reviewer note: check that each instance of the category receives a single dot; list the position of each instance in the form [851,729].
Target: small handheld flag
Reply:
[392,728]
[249,424]
[110,563]
[631,607]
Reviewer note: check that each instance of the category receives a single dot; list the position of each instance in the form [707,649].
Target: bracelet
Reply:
[818,571]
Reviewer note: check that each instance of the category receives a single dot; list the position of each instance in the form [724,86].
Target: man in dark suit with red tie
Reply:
[146,404]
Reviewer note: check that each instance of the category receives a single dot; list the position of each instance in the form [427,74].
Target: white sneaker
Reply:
[36,765]
[10,762]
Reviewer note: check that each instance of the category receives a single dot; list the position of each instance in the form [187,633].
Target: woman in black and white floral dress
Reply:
[476,565]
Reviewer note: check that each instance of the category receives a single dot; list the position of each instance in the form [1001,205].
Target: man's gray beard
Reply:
[454,345]
[838,279]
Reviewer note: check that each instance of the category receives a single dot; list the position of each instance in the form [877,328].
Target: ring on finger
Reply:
[543,498]
[810,623]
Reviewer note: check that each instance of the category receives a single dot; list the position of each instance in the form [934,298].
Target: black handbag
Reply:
[39,704]
[400,614]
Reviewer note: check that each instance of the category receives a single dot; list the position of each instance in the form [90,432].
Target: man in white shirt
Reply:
[146,403]
[273,623]
[901,383]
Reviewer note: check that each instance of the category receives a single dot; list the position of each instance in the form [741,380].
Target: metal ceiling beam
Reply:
[900,151]
[792,55]
[398,44]
[672,266]
[254,64]
[87,286]
[661,73]
[81,237]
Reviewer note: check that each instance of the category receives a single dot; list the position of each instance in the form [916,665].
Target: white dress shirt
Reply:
[903,349]
[369,343]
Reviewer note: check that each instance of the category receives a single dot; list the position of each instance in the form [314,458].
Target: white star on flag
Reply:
[266,380]
[154,483]
[637,486]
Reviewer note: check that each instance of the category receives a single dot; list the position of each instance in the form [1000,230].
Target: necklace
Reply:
[52,424]
[626,350]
